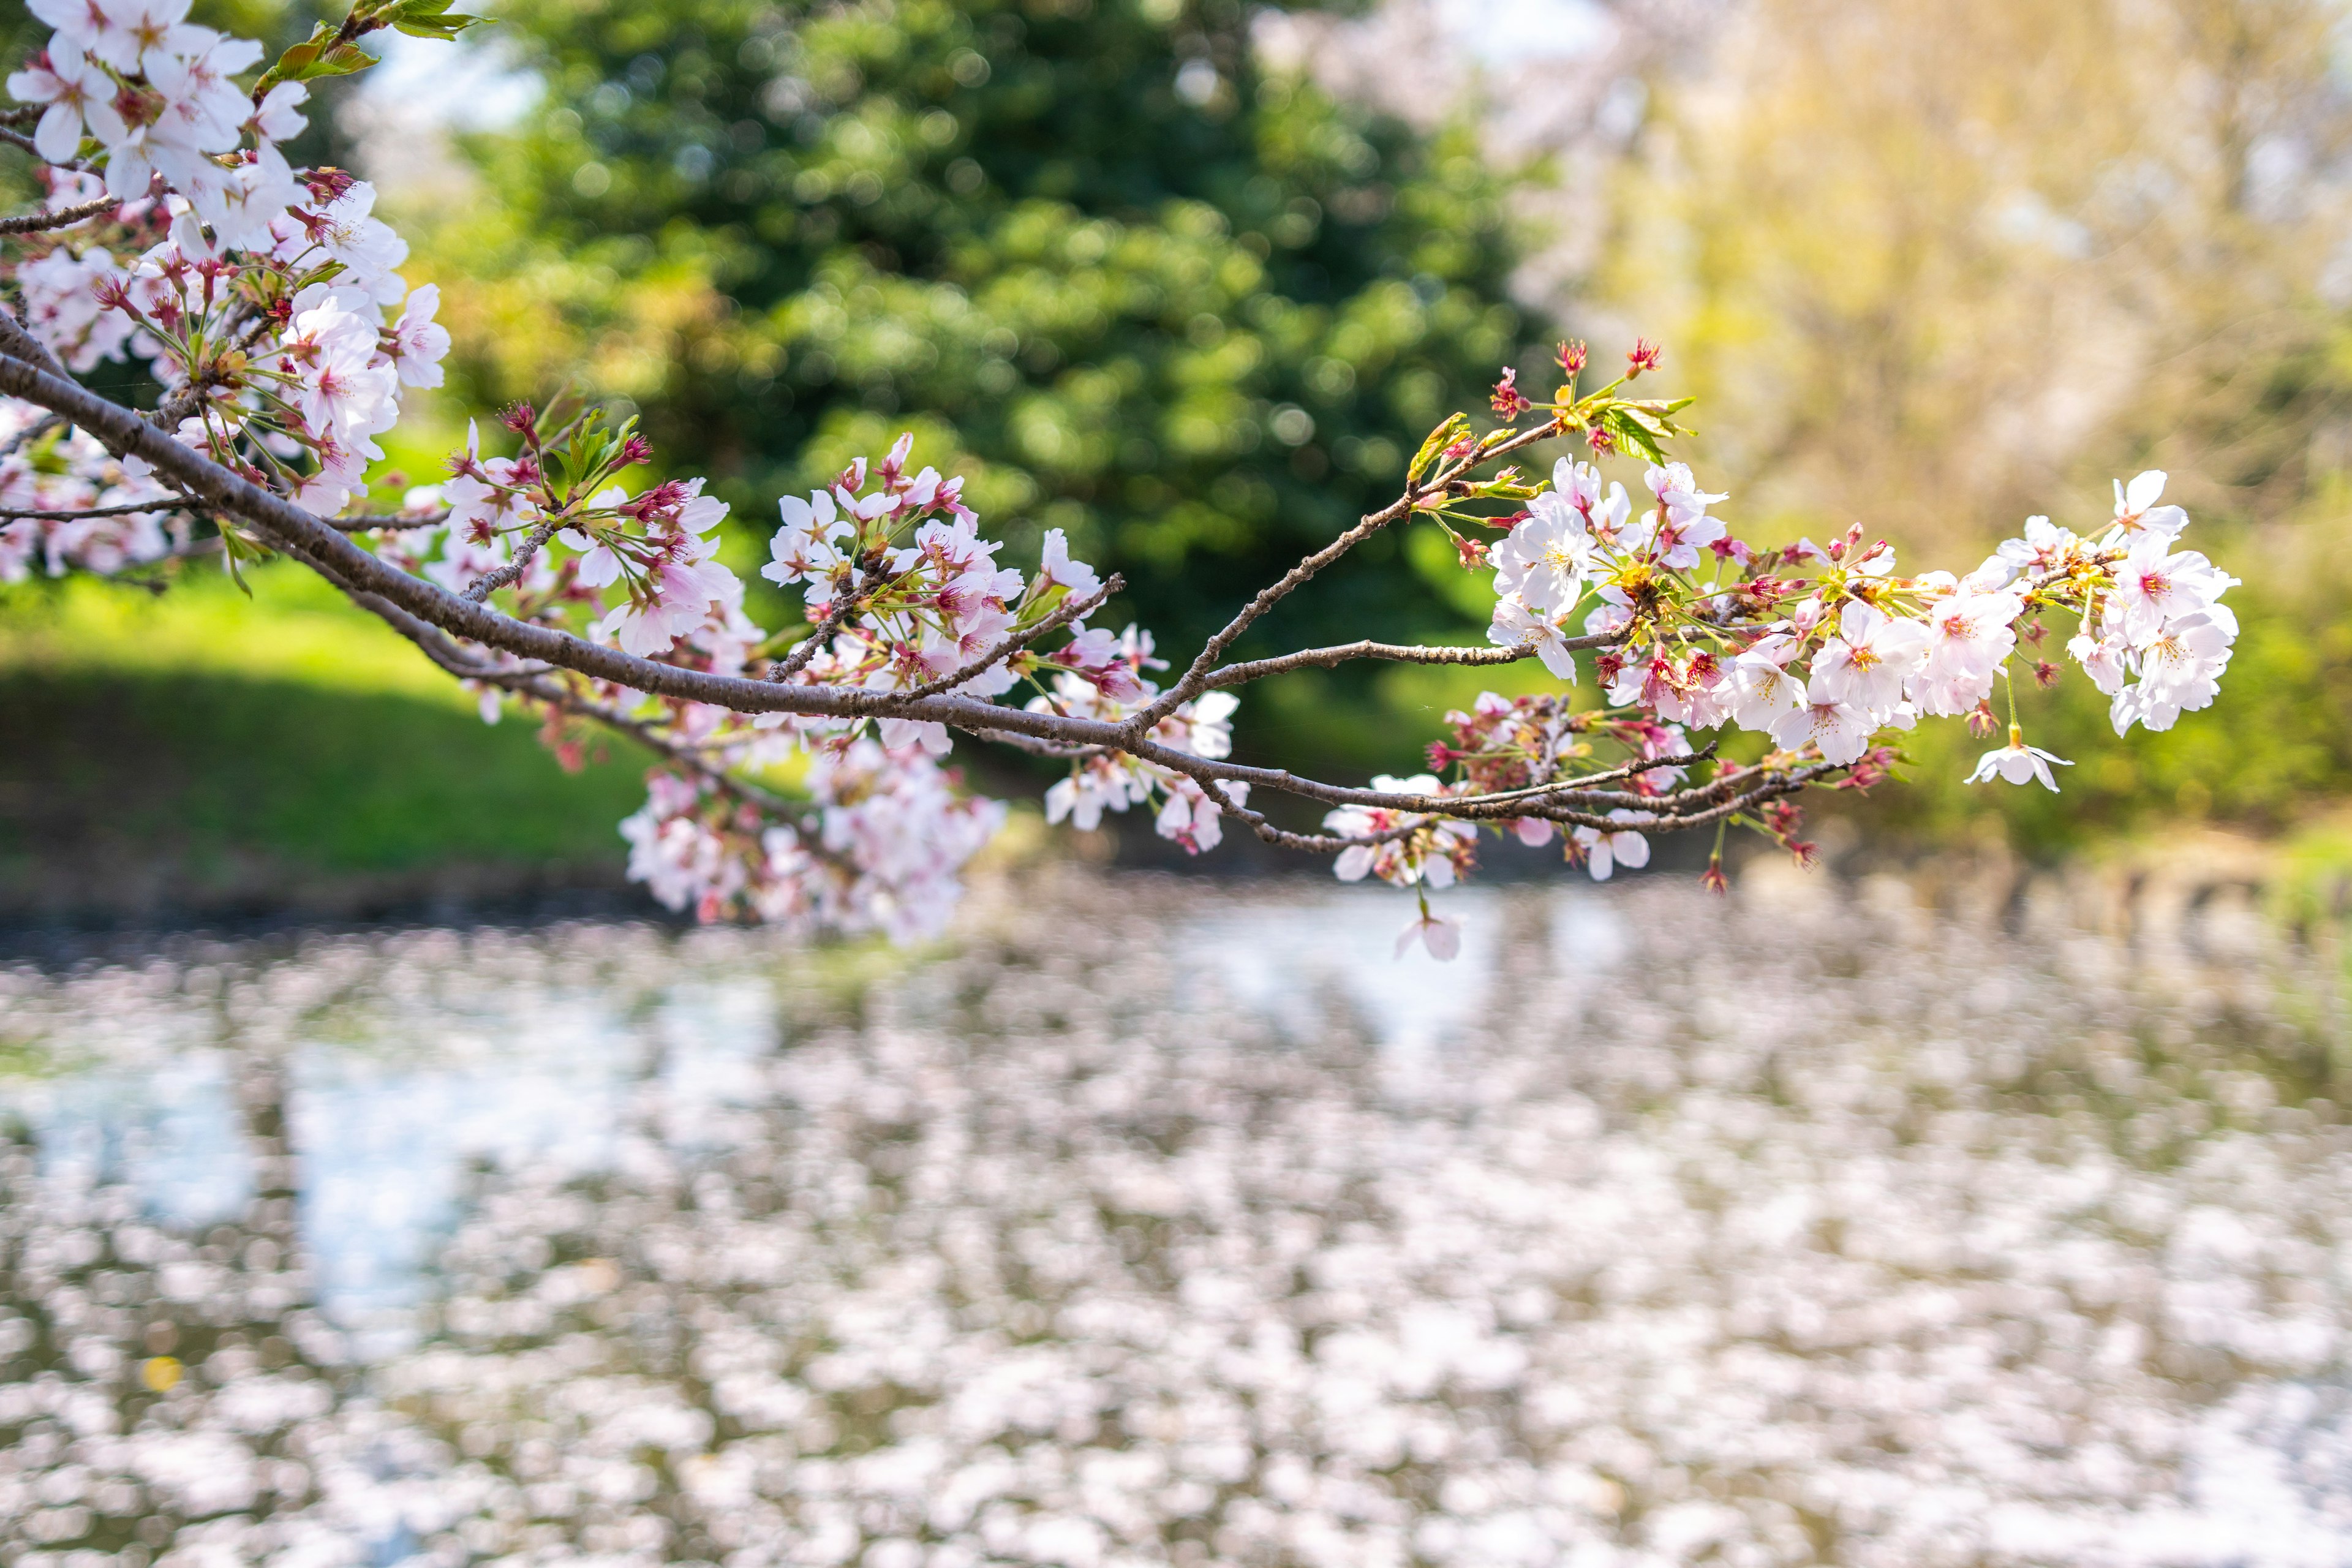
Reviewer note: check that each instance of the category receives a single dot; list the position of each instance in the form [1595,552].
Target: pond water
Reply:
[1152,1223]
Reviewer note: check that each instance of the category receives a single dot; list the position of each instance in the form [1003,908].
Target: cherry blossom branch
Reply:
[1035,747]
[1821,661]
[287,527]
[17,343]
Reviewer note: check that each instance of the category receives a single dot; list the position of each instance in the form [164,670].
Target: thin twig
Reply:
[1196,675]
[1342,653]
[525,554]
[18,139]
[836,615]
[1038,748]
[32,432]
[64,217]
[1062,616]
[36,514]
[385,523]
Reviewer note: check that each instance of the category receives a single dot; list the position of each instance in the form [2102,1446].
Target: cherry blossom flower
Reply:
[1545,560]
[275,118]
[1054,567]
[136,35]
[807,549]
[1687,529]
[1864,665]
[76,90]
[2153,584]
[1840,729]
[1969,634]
[2180,670]
[343,231]
[2019,764]
[2136,511]
[1440,934]
[1604,852]
[418,343]
[1515,625]
[1763,690]
[1188,817]
[2042,547]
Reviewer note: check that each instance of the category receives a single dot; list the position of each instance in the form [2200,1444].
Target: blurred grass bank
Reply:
[203,752]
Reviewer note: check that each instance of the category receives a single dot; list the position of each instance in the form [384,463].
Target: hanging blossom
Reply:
[801,774]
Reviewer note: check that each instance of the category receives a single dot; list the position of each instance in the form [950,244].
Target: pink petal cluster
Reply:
[69,471]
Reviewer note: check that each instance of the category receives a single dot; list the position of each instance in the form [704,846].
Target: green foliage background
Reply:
[1096,259]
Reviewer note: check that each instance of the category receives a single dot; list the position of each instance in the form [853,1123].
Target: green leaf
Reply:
[1629,434]
[323,54]
[430,19]
[236,548]
[1444,435]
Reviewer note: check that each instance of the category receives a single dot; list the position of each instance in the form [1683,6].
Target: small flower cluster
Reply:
[46,467]
[895,562]
[880,850]
[1114,782]
[1823,648]
[903,593]
[2163,621]
[262,296]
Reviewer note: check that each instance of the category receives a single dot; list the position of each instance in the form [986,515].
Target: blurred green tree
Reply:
[1088,250]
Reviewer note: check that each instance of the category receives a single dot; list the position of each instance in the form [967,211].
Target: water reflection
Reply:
[1214,1235]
